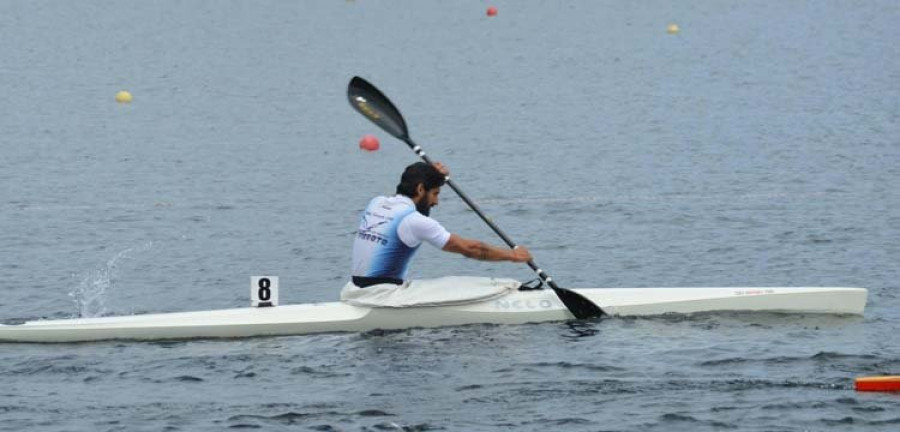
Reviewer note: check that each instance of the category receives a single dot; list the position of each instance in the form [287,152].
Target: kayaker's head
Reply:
[422,183]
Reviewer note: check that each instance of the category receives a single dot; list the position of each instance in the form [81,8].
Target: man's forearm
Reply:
[485,252]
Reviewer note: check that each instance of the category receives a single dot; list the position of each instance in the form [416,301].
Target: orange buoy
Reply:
[369,143]
[878,383]
[491,11]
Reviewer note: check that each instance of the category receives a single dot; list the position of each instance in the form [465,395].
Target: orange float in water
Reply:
[878,383]
[369,143]
[491,11]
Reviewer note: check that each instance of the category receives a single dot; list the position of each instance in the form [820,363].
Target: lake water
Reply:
[756,147]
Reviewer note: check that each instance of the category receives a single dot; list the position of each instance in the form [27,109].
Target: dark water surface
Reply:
[757,147]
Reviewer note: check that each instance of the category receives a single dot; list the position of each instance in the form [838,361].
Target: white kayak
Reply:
[518,307]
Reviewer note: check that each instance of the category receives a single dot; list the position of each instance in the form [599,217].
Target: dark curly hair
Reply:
[419,173]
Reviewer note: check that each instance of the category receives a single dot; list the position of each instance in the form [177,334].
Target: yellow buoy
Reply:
[672,28]
[123,97]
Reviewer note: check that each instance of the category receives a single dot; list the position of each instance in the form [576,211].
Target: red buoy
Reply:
[369,143]
[491,11]
[878,383]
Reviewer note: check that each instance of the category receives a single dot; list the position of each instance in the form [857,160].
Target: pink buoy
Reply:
[369,143]
[491,11]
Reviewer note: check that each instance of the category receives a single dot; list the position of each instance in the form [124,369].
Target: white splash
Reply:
[90,293]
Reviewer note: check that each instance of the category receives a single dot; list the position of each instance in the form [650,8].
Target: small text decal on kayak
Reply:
[754,291]
[524,304]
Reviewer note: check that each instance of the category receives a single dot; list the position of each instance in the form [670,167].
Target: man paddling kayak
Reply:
[391,229]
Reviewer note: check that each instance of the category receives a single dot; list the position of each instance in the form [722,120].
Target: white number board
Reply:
[263,291]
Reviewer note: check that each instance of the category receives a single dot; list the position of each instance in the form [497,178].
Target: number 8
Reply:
[264,292]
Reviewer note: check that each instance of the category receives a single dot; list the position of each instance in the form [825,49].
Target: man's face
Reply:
[426,199]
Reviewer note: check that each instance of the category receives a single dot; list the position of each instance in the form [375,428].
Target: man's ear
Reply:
[420,191]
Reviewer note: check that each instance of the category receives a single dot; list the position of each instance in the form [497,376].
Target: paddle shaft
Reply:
[421,153]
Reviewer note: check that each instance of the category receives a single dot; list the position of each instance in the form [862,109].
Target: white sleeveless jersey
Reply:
[390,231]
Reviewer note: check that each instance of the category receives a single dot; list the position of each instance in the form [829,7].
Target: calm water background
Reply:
[757,147]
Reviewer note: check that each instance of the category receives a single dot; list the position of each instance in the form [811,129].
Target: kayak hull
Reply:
[516,308]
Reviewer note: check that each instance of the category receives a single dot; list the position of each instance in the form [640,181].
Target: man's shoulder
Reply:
[388,203]
[419,219]
[425,228]
[393,201]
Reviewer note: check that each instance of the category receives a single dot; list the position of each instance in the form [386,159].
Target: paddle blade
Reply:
[375,106]
[580,306]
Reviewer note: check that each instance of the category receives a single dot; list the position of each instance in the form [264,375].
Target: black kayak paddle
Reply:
[375,106]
